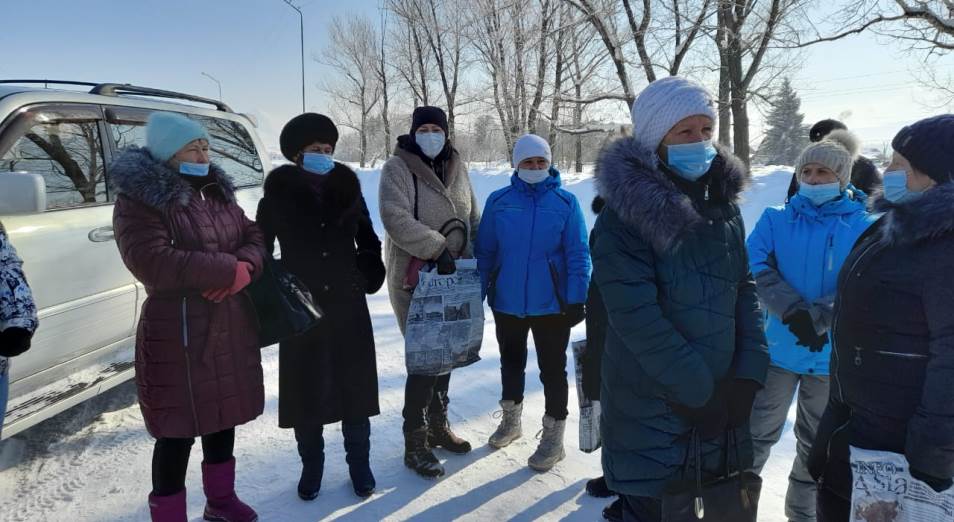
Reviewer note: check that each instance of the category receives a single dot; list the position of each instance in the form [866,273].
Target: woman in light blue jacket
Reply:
[534,264]
[796,253]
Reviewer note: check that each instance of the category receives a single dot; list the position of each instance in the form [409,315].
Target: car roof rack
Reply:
[118,89]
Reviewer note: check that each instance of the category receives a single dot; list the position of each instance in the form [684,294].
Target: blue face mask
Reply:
[533,176]
[431,143]
[194,169]
[820,194]
[315,163]
[691,160]
[896,187]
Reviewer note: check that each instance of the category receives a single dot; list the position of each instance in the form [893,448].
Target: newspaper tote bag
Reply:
[445,322]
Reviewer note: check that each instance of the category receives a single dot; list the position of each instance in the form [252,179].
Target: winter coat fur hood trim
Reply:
[929,217]
[629,179]
[140,176]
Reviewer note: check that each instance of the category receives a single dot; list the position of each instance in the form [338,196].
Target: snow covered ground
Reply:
[92,462]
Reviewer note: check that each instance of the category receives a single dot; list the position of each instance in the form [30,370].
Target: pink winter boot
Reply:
[222,505]
[169,508]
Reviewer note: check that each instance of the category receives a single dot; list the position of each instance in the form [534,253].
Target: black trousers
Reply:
[170,459]
[424,395]
[831,507]
[551,335]
[641,509]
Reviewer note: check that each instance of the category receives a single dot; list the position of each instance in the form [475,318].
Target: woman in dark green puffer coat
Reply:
[685,347]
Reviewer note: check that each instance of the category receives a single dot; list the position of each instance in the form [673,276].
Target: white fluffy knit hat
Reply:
[666,102]
[530,146]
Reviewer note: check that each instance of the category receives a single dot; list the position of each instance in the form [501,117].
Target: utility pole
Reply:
[209,76]
[301,28]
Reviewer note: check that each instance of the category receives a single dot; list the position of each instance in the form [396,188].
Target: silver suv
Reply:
[56,146]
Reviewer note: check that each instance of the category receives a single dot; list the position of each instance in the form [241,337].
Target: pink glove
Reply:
[243,276]
[216,296]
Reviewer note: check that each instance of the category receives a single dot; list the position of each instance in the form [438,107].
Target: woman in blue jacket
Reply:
[796,252]
[535,268]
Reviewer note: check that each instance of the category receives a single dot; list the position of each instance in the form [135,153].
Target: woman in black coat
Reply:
[315,209]
[893,357]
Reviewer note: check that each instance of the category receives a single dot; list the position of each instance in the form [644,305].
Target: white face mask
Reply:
[533,176]
[431,143]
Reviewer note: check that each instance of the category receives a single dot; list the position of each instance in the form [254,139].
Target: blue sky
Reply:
[252,47]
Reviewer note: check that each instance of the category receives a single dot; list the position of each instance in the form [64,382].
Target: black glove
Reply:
[711,419]
[802,326]
[574,314]
[14,341]
[372,269]
[937,484]
[445,263]
[739,402]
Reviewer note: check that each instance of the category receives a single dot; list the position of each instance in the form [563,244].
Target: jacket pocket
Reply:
[492,287]
[555,279]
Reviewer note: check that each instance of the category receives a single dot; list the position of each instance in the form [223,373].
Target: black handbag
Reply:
[731,497]
[283,304]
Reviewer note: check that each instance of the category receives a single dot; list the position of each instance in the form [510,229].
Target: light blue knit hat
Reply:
[666,102]
[167,132]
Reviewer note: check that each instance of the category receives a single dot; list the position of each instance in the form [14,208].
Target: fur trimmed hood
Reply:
[630,180]
[138,175]
[928,217]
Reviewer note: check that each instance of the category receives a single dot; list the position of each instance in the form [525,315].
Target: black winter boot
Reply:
[418,456]
[439,434]
[614,511]
[311,448]
[597,488]
[357,443]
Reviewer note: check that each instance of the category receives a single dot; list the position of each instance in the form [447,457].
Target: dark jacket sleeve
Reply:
[930,440]
[751,359]
[145,245]
[626,276]
[252,250]
[595,340]
[369,261]
[266,223]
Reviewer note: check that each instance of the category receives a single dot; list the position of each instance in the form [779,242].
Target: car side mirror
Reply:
[22,193]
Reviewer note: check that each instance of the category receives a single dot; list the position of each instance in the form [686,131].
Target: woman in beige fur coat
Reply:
[425,189]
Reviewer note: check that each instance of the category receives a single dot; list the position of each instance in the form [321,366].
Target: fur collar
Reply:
[929,217]
[334,195]
[138,175]
[630,180]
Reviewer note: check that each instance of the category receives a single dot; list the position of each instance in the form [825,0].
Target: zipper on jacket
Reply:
[706,195]
[834,326]
[526,280]
[185,345]
[914,356]
[831,253]
[858,359]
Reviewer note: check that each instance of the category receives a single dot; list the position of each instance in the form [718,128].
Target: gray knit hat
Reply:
[837,151]
[666,102]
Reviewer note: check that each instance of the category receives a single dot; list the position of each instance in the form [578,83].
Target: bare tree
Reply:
[353,54]
[746,31]
[411,57]
[382,73]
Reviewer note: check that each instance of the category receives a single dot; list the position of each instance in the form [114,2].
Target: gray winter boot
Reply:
[510,428]
[550,451]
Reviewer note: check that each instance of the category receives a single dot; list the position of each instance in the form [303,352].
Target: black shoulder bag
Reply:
[732,497]
[284,306]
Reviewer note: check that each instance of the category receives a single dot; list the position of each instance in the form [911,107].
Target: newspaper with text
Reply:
[445,322]
[884,491]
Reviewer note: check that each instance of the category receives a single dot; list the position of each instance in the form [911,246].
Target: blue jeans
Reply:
[4,391]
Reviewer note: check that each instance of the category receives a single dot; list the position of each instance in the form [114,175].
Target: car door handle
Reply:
[101,235]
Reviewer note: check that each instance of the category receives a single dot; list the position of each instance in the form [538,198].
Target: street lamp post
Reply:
[209,76]
[301,29]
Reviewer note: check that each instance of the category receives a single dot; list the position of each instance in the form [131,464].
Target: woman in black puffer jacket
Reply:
[893,357]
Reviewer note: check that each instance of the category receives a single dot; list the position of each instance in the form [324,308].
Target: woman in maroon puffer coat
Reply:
[198,365]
